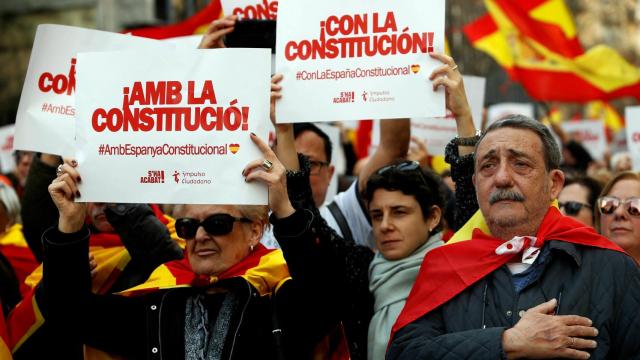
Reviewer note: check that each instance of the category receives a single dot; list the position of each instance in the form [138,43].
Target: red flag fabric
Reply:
[197,24]
[449,270]
[536,42]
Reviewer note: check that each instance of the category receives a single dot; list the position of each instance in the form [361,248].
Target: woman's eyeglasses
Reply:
[216,224]
[572,208]
[608,204]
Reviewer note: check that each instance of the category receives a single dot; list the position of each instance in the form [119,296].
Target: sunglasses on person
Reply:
[608,204]
[216,224]
[572,208]
[405,166]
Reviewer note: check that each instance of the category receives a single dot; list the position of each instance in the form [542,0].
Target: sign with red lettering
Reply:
[632,123]
[354,59]
[590,133]
[45,119]
[251,9]
[175,132]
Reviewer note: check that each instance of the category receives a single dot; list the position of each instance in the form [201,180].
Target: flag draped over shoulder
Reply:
[197,24]
[265,269]
[449,270]
[536,42]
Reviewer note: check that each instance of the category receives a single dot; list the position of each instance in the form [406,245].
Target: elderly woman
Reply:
[618,215]
[233,298]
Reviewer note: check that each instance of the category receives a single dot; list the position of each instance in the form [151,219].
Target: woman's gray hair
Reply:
[11,203]
[550,147]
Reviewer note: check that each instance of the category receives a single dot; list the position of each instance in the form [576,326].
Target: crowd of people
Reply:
[525,248]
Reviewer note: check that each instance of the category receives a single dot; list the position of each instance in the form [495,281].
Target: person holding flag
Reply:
[532,284]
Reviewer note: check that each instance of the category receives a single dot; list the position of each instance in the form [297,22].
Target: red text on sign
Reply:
[60,83]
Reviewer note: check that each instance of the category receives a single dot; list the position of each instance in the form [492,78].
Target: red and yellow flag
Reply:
[536,42]
[14,247]
[197,24]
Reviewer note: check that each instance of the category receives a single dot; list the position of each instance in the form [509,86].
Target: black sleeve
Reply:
[341,266]
[426,338]
[147,240]
[462,169]
[38,210]
[75,315]
[626,322]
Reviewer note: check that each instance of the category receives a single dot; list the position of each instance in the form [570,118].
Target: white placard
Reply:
[351,60]
[6,148]
[437,132]
[185,42]
[498,111]
[45,120]
[193,113]
[590,133]
[632,121]
[251,9]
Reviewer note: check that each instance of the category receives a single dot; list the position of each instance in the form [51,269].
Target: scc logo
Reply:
[59,83]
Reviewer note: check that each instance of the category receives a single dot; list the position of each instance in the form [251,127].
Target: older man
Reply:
[542,286]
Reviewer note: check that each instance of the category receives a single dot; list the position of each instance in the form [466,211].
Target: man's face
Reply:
[98,218]
[213,254]
[513,187]
[399,227]
[312,145]
[22,167]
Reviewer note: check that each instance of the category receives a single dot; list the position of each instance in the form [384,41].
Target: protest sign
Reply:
[6,148]
[175,132]
[351,60]
[498,111]
[45,119]
[251,9]
[437,132]
[590,133]
[632,120]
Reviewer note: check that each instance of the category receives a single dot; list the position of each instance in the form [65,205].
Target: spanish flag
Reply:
[449,270]
[14,247]
[197,24]
[536,42]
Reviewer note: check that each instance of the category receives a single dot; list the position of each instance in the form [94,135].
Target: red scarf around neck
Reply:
[449,270]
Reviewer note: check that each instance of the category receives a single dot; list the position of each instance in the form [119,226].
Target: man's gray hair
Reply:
[549,145]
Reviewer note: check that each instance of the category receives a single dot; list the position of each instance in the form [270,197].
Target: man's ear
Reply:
[332,169]
[473,179]
[556,182]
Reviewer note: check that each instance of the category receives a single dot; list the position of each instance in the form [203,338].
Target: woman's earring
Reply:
[250,247]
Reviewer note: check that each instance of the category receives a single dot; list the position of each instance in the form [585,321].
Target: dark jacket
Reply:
[600,284]
[151,326]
